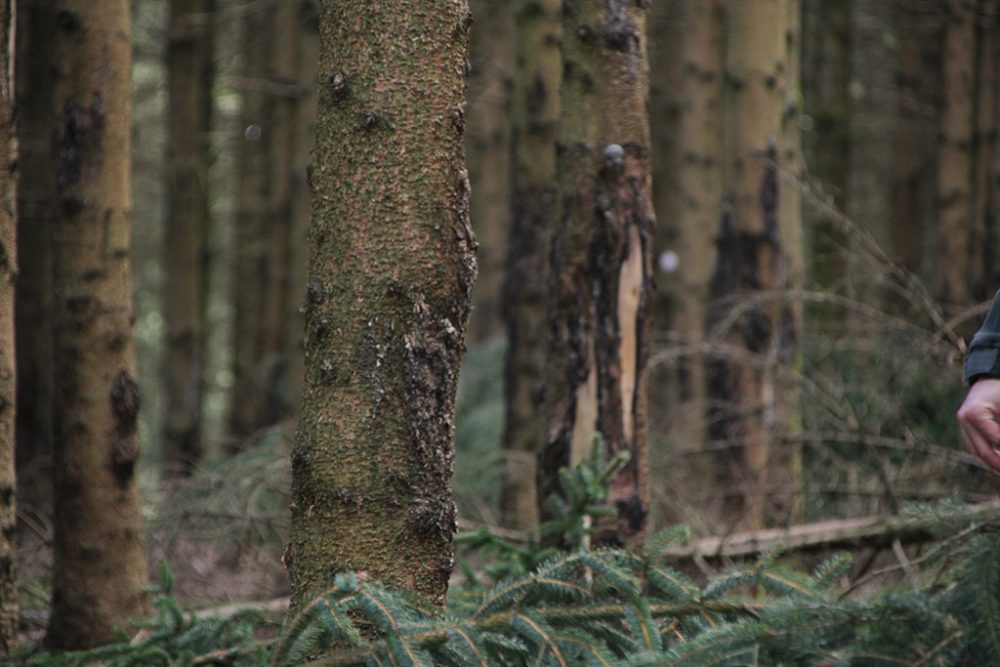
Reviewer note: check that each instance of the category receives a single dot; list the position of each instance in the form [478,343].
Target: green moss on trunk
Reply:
[391,266]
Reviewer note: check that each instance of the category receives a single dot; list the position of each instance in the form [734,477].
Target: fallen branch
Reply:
[879,532]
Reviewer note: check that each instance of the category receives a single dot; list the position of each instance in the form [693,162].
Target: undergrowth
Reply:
[533,605]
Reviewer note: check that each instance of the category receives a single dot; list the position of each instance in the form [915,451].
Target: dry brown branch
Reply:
[834,534]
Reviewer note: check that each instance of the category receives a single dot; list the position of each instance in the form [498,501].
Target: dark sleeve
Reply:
[984,351]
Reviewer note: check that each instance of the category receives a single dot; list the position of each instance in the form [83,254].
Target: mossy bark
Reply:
[390,271]
[601,256]
[9,612]
[535,117]
[190,71]
[488,148]
[34,80]
[755,258]
[99,561]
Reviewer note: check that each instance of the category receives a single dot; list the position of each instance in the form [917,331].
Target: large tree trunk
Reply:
[955,157]
[489,155]
[601,256]
[535,107]
[390,270]
[35,209]
[190,72]
[756,258]
[9,616]
[99,561]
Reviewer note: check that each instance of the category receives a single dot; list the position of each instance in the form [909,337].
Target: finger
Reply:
[985,422]
[981,447]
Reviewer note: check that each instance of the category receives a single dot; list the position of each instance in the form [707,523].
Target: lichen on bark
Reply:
[390,270]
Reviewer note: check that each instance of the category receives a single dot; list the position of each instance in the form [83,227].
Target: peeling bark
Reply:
[390,271]
[601,257]
[535,103]
[100,566]
[9,609]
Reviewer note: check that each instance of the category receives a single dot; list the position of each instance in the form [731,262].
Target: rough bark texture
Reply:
[34,286]
[301,207]
[755,258]
[264,219]
[9,615]
[390,271]
[488,147]
[601,256]
[955,156]
[535,107]
[99,561]
[190,72]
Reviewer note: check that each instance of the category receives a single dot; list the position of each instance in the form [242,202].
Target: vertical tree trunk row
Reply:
[601,255]
[9,611]
[190,72]
[390,271]
[99,560]
[535,117]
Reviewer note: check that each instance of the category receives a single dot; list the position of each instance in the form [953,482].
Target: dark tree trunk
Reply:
[191,73]
[9,612]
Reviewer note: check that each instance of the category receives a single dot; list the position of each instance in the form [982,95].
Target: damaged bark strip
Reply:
[9,612]
[99,559]
[535,104]
[601,256]
[390,270]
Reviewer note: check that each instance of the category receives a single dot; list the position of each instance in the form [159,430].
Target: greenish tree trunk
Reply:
[99,558]
[9,612]
[826,62]
[756,258]
[601,256]
[488,147]
[190,71]
[35,208]
[535,107]
[390,271]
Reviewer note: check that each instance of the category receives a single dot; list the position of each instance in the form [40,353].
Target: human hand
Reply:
[978,417]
